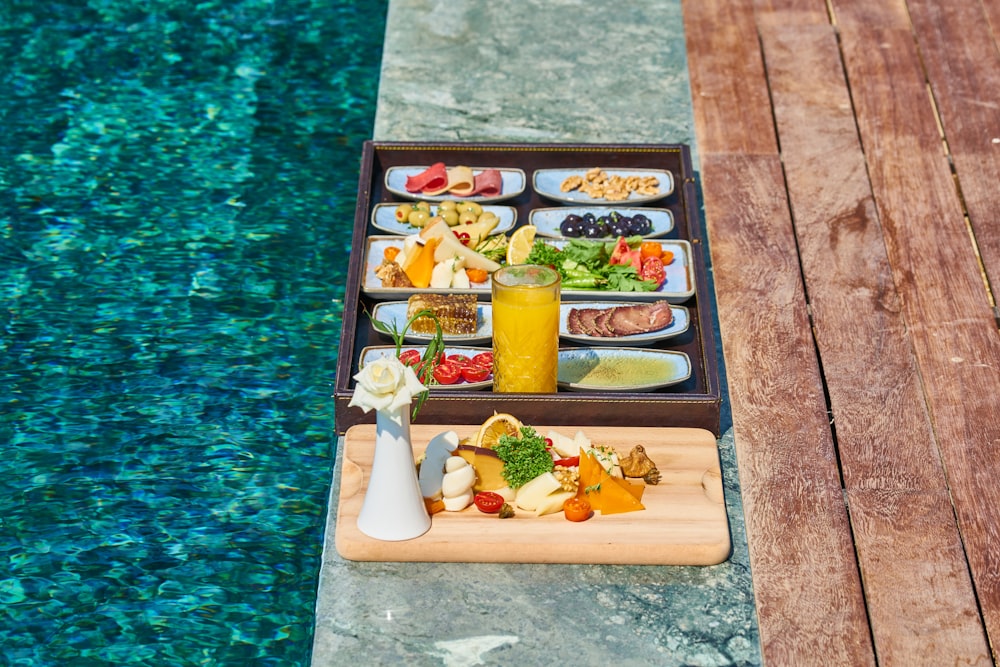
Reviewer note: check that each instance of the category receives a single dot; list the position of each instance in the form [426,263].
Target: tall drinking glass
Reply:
[525,329]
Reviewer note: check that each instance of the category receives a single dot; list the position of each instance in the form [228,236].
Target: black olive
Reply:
[589,217]
[594,231]
[570,228]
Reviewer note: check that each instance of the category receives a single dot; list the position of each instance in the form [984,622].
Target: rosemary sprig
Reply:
[435,347]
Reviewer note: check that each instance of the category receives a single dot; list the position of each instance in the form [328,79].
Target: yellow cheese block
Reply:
[489,467]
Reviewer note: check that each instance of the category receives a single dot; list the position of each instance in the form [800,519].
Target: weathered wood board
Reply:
[684,522]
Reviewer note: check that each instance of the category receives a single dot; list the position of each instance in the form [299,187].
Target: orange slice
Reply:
[497,425]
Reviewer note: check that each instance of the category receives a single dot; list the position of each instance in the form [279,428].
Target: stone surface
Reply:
[559,71]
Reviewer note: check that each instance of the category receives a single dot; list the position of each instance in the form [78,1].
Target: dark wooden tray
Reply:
[694,403]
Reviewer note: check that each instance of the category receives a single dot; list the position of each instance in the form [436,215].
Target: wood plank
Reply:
[805,576]
[732,112]
[945,305]
[908,544]
[962,63]
[684,521]
[791,12]
[878,13]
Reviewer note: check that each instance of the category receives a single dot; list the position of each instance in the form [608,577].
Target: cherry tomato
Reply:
[570,462]
[484,359]
[652,269]
[650,249]
[410,357]
[475,373]
[489,502]
[577,509]
[460,359]
[447,373]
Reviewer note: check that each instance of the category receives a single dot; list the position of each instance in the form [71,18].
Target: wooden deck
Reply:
[850,168]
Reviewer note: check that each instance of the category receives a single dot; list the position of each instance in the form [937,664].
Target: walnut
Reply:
[637,463]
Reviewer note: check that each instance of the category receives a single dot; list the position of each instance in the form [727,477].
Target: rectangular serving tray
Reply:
[694,403]
[684,521]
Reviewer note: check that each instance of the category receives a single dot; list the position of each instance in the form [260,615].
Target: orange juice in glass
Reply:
[525,329]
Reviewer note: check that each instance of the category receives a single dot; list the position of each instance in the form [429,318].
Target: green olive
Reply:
[418,217]
[403,212]
[467,217]
[471,206]
[447,204]
[450,216]
[423,206]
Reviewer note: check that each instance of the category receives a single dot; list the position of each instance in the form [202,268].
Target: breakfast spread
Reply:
[508,468]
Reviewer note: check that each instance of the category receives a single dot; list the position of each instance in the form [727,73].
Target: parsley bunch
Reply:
[524,458]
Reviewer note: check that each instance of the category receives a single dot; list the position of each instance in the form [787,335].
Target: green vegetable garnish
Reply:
[523,459]
[583,264]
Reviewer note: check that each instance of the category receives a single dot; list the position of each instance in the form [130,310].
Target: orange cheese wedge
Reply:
[607,494]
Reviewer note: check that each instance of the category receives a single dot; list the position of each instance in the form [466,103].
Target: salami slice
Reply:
[489,183]
[434,177]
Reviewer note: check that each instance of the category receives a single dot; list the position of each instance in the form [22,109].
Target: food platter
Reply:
[678,287]
[621,369]
[513,183]
[547,220]
[681,322]
[374,352]
[693,402]
[548,184]
[384,219]
[684,521]
[393,313]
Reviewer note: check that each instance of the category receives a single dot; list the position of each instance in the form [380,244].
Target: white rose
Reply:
[385,383]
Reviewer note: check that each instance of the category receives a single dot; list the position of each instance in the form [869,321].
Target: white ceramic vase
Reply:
[393,509]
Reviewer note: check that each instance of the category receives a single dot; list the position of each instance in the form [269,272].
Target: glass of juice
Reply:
[525,329]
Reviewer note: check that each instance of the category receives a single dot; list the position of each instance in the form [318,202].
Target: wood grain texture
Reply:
[908,544]
[805,576]
[791,12]
[944,302]
[684,522]
[962,63]
[731,111]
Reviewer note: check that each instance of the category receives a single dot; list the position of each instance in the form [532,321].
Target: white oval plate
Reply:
[682,320]
[372,284]
[373,352]
[384,218]
[394,313]
[548,182]
[547,220]
[624,369]
[513,182]
[678,287]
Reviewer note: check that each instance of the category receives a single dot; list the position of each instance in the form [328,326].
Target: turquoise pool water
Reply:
[177,184]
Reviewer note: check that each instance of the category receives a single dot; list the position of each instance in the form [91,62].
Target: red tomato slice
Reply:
[447,373]
[460,359]
[410,357]
[475,373]
[652,269]
[484,359]
[488,502]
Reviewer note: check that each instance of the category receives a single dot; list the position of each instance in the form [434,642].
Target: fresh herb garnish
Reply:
[583,264]
[435,348]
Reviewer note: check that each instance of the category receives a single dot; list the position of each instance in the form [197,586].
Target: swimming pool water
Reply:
[177,185]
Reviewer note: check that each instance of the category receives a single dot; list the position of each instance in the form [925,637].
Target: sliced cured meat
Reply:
[620,320]
[460,183]
[630,320]
[434,177]
[488,183]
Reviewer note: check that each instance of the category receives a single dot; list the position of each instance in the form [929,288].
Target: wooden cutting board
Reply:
[684,522]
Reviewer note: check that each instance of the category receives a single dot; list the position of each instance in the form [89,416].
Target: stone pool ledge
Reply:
[537,71]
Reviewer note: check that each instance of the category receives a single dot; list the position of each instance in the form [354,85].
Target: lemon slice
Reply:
[497,425]
[519,246]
